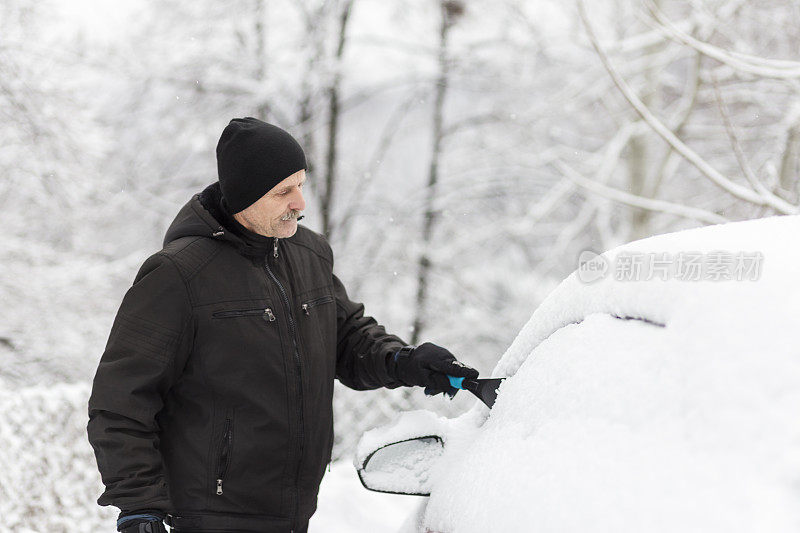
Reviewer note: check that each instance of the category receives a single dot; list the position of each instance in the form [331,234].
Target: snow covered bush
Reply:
[50,480]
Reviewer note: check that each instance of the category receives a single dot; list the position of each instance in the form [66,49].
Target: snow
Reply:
[683,421]
[408,425]
[405,466]
[573,300]
[50,480]
[345,506]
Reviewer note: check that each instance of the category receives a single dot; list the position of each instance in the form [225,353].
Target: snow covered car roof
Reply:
[682,416]
[676,301]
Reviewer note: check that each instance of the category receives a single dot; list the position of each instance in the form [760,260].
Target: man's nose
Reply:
[297,202]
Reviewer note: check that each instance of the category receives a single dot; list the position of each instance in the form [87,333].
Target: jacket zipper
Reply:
[311,303]
[225,454]
[299,375]
[265,311]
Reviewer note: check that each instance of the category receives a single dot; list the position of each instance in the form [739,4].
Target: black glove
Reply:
[145,521]
[427,366]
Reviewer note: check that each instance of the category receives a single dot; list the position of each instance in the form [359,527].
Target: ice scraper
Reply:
[485,389]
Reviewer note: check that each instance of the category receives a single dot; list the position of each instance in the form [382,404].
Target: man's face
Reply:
[275,214]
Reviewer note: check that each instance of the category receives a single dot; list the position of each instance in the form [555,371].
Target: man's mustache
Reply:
[293,214]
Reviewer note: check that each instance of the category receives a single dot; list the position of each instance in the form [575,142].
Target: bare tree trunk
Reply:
[333,122]
[313,21]
[790,164]
[449,12]
[639,160]
[260,16]
[304,119]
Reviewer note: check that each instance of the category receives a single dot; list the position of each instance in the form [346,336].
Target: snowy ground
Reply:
[345,506]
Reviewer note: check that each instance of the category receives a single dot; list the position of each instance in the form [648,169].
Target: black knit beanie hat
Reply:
[253,157]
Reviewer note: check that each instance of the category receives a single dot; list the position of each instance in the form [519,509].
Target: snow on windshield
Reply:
[623,425]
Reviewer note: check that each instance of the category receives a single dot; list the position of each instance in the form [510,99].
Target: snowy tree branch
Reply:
[736,145]
[739,191]
[632,200]
[757,66]
[683,114]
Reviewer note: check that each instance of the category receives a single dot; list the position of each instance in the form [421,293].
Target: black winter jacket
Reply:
[213,398]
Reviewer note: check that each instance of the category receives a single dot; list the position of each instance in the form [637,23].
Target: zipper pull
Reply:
[275,248]
[305,310]
[269,314]
[219,487]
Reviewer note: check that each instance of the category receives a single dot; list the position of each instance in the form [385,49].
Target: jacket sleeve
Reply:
[147,348]
[362,346]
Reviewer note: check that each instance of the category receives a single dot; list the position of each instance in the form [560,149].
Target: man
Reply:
[212,403]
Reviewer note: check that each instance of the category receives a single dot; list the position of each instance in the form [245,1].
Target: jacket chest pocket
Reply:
[308,306]
[264,312]
[317,317]
[240,344]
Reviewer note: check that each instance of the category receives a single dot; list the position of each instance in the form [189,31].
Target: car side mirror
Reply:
[402,467]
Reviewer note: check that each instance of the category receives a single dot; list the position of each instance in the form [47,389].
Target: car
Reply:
[657,388]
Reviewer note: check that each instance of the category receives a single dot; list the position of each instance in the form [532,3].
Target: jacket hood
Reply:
[203,216]
[200,217]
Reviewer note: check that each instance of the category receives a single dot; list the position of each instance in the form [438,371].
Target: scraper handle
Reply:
[455,382]
[463,383]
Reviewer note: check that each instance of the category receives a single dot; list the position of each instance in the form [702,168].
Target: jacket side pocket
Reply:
[225,452]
